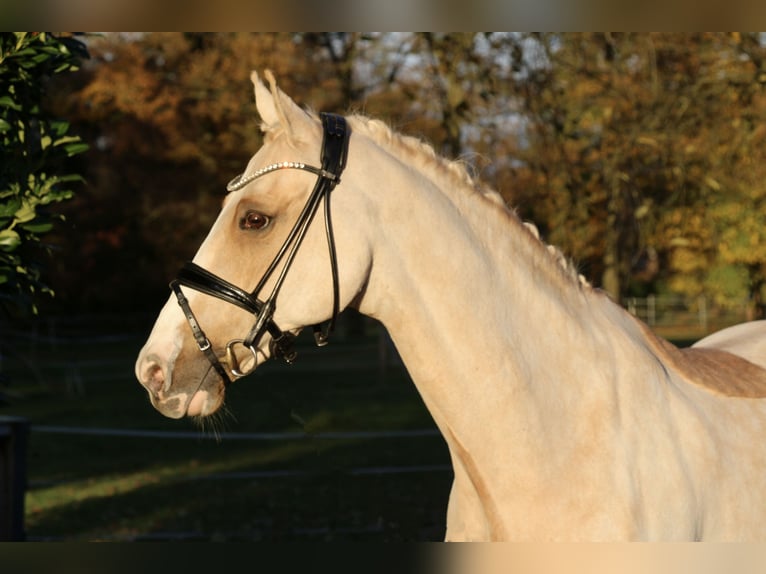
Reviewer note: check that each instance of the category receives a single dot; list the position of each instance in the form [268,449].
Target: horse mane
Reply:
[413,148]
[696,366]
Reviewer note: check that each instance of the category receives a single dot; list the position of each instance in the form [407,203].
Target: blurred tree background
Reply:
[641,155]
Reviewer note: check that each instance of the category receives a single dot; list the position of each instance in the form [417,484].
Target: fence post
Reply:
[651,310]
[703,311]
[13,476]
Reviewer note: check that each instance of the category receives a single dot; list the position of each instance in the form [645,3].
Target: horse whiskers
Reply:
[215,424]
[212,424]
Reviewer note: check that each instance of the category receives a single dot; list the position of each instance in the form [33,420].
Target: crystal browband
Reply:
[242,180]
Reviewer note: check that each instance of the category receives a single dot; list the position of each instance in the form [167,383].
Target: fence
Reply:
[66,352]
[695,315]
[72,352]
[75,359]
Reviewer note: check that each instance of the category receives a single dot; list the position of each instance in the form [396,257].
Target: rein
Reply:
[335,138]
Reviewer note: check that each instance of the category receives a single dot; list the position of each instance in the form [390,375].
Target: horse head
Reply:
[268,267]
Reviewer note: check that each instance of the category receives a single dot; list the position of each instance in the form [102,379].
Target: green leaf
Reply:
[74,149]
[59,195]
[66,139]
[20,37]
[59,127]
[26,212]
[9,102]
[35,227]
[65,67]
[9,240]
[10,207]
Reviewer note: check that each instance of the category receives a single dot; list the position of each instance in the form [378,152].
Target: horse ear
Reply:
[277,109]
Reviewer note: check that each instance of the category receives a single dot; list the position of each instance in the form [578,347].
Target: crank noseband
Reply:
[333,157]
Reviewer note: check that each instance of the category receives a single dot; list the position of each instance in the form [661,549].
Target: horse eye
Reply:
[254,220]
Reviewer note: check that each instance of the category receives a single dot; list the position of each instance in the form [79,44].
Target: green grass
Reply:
[125,488]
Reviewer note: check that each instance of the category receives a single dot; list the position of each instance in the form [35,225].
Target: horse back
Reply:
[723,372]
[715,366]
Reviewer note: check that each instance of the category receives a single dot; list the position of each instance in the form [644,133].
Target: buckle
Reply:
[204,345]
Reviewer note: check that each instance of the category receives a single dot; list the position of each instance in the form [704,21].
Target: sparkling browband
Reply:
[242,180]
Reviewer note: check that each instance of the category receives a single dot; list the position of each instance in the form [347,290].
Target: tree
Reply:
[33,171]
[172,120]
[630,151]
[717,243]
[636,142]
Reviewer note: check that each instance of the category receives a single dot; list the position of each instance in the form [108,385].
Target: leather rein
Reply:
[333,156]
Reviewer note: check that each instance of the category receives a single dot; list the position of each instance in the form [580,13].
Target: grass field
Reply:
[214,484]
[210,487]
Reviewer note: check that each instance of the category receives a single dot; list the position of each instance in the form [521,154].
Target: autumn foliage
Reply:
[641,155]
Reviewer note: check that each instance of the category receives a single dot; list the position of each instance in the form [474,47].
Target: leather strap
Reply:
[199,335]
[200,279]
[334,155]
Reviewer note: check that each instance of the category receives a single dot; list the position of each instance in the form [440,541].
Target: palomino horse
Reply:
[565,417]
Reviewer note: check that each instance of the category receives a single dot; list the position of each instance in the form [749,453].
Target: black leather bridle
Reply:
[333,157]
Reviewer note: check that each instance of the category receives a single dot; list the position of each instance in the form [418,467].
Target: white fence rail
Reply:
[697,313]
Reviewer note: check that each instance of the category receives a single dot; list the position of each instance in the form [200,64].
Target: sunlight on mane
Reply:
[458,174]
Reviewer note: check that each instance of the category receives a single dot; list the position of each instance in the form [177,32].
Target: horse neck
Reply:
[486,320]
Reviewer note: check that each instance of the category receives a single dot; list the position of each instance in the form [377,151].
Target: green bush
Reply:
[33,150]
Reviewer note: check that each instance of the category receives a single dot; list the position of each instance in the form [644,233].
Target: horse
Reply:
[566,417]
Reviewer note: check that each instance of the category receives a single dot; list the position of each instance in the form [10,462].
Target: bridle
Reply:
[333,156]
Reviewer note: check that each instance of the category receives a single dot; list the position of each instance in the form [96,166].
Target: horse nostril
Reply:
[154,378]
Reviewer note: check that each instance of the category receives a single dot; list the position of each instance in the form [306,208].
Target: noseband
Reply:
[333,157]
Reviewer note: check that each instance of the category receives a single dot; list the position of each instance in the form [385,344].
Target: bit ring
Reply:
[233,361]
